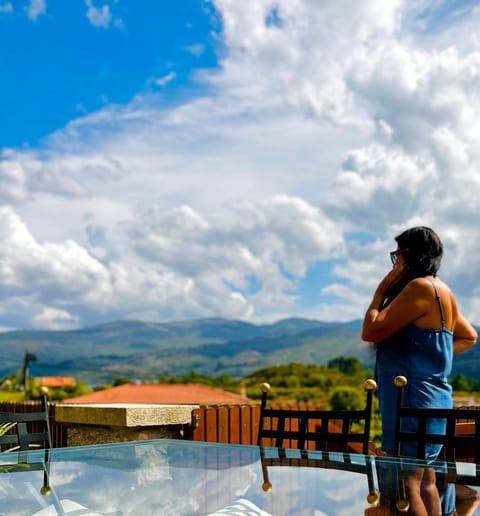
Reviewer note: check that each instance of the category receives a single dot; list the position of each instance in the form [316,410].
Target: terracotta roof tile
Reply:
[161,393]
[57,381]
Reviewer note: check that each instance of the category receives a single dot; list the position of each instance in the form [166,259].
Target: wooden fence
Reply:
[236,424]
[59,432]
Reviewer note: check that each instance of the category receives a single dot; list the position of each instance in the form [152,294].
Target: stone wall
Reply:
[109,423]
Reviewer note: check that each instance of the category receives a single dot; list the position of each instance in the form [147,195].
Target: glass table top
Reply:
[173,477]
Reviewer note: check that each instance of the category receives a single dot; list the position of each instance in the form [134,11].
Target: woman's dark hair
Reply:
[422,250]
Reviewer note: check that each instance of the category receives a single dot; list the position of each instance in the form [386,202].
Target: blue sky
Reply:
[62,65]
[254,160]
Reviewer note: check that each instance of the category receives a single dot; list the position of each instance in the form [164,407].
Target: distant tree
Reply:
[292,381]
[347,398]
[346,365]
[79,389]
[59,394]
[169,379]
[461,383]
[121,380]
[224,380]
[11,383]
[316,380]
[196,377]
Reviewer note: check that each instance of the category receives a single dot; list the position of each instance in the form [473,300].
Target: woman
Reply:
[415,322]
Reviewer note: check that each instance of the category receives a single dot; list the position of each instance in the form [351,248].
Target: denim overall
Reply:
[424,357]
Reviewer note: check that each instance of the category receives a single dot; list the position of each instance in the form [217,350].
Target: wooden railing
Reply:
[234,424]
[59,432]
[238,424]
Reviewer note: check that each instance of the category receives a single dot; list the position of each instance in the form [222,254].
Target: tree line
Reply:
[336,385]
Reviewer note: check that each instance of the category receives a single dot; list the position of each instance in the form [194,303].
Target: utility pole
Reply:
[29,357]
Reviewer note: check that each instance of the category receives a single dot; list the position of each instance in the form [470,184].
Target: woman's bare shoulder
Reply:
[430,284]
[420,285]
[426,289]
[444,290]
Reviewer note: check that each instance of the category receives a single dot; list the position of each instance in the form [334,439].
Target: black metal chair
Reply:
[28,431]
[452,440]
[275,457]
[397,476]
[326,429]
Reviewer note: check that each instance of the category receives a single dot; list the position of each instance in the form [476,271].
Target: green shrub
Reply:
[347,398]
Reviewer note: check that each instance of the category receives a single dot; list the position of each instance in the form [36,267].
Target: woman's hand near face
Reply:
[390,281]
[412,303]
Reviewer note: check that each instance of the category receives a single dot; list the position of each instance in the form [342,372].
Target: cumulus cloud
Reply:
[36,8]
[413,96]
[196,50]
[7,7]
[179,265]
[61,284]
[326,134]
[273,241]
[306,53]
[162,81]
[101,16]
[13,182]
[378,184]
[25,174]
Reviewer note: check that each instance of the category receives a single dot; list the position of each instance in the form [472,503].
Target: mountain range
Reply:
[146,350]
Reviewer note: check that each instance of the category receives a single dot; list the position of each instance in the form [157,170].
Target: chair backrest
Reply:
[326,429]
[32,429]
[322,459]
[453,438]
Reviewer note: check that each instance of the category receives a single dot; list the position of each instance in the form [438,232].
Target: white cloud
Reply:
[7,7]
[178,265]
[326,135]
[99,16]
[266,240]
[161,81]
[36,8]
[379,184]
[59,284]
[54,319]
[13,183]
[196,50]
[23,174]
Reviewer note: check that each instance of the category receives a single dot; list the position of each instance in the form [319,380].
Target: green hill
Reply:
[144,351]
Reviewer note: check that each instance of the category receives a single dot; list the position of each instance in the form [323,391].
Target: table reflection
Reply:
[170,477]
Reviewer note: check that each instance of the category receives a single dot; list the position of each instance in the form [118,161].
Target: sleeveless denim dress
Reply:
[424,356]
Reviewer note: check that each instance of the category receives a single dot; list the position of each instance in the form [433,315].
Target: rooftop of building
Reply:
[162,393]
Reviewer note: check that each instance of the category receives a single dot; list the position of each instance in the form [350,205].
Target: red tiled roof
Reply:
[57,381]
[195,394]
